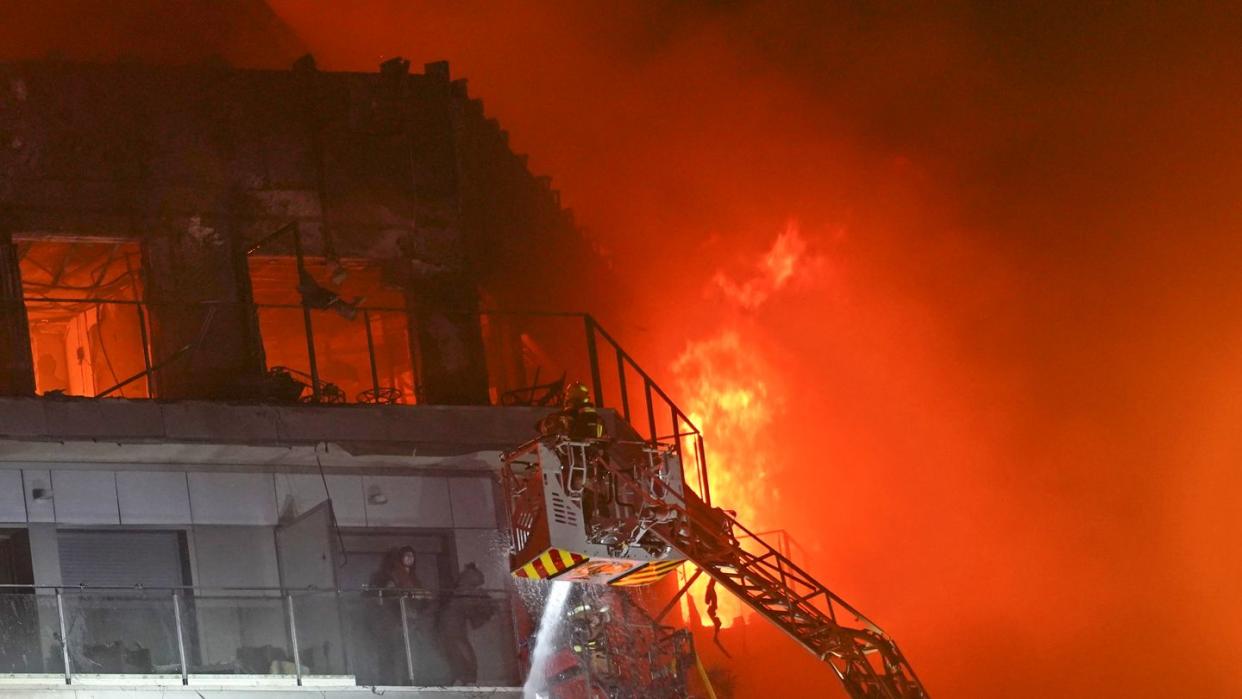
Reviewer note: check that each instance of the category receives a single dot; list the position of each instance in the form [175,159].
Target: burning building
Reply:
[265,332]
[272,343]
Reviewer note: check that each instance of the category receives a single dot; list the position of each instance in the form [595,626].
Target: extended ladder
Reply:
[864,658]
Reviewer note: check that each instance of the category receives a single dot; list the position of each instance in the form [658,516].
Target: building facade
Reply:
[259,330]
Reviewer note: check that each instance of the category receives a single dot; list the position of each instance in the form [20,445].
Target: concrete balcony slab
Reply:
[52,686]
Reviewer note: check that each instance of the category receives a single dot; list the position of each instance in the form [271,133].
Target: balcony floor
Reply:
[214,687]
[440,430]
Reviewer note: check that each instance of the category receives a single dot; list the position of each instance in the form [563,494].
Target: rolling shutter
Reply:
[121,558]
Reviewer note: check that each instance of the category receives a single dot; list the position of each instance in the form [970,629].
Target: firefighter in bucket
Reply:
[578,419]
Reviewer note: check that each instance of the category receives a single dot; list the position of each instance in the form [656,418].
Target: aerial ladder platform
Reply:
[606,511]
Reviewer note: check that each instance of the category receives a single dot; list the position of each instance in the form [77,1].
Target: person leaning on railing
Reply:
[395,579]
[467,608]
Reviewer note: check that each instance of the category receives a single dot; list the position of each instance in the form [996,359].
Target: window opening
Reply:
[530,357]
[87,328]
[360,328]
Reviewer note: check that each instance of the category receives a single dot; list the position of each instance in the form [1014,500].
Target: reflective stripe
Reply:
[647,574]
[550,564]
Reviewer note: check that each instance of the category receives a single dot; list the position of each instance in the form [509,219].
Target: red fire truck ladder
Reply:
[864,658]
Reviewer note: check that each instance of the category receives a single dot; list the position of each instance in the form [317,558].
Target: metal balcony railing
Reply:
[386,637]
[619,382]
[372,358]
[110,351]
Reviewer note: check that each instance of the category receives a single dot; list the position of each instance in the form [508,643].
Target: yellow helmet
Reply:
[577,395]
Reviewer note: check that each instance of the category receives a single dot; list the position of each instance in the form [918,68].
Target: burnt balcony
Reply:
[325,361]
[95,347]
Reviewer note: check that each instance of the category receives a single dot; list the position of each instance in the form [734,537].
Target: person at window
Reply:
[396,578]
[398,571]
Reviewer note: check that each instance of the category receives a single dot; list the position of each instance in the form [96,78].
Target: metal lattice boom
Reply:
[864,658]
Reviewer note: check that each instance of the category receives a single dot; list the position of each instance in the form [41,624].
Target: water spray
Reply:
[545,639]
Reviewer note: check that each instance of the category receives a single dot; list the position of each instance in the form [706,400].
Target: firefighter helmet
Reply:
[577,395]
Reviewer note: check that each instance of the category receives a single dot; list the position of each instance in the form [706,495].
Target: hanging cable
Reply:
[323,477]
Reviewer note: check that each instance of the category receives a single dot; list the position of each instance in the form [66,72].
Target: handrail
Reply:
[777,588]
[692,513]
[181,609]
[366,589]
[256,304]
[646,377]
[677,415]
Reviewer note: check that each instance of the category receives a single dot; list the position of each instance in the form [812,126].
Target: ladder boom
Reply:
[867,662]
[618,513]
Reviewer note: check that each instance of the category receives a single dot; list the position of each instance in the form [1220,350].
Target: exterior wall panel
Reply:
[421,501]
[153,497]
[85,497]
[43,510]
[235,557]
[474,502]
[12,501]
[297,493]
[44,554]
[232,498]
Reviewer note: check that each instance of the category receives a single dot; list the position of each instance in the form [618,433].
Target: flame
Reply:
[728,398]
[729,389]
[776,269]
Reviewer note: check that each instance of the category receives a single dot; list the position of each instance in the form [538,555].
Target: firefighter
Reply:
[588,636]
[577,419]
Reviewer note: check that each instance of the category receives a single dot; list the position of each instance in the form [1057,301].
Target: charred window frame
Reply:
[87,326]
[356,321]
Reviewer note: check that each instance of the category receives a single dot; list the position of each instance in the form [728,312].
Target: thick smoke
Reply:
[1008,420]
[1007,411]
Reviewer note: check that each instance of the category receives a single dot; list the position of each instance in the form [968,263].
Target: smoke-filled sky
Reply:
[999,387]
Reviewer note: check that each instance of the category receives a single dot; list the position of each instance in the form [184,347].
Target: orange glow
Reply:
[342,345]
[775,269]
[1007,429]
[86,345]
[727,386]
[728,399]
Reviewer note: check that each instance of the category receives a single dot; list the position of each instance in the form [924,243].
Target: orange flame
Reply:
[775,271]
[727,385]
